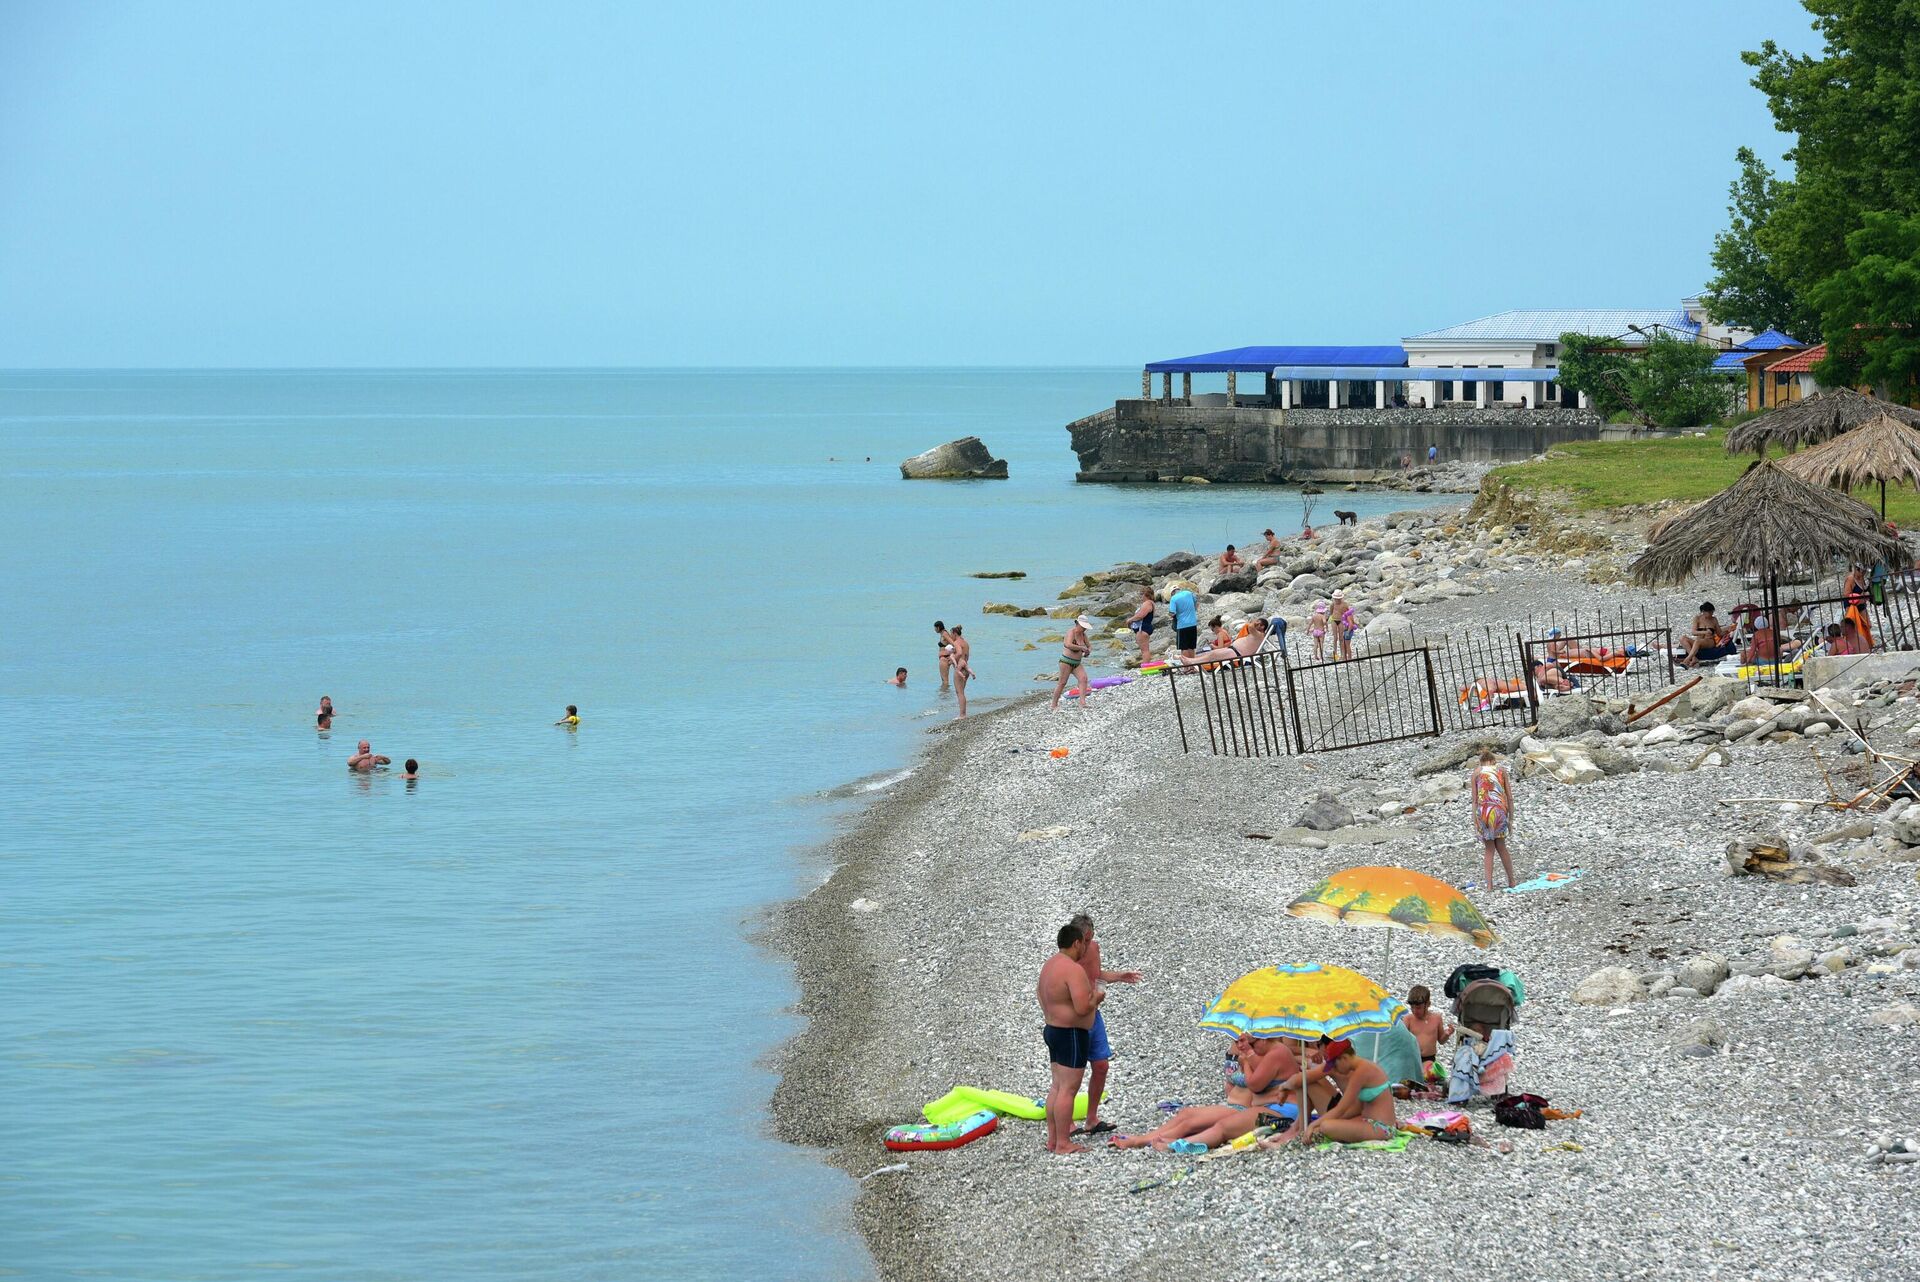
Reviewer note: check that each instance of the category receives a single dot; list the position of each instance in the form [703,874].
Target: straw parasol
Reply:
[1819,417]
[1881,449]
[1767,519]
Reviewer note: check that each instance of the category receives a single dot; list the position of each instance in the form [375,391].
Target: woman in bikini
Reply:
[946,653]
[1073,661]
[1365,1111]
[1266,1071]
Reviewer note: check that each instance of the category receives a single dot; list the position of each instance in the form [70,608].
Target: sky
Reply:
[391,184]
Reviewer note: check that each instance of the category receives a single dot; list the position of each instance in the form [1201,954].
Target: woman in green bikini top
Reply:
[1072,655]
[1365,1110]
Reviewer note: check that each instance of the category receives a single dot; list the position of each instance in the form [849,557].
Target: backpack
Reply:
[1522,1110]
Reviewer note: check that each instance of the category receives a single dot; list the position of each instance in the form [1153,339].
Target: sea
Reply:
[264,1015]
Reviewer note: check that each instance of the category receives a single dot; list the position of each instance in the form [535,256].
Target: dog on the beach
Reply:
[1347,518]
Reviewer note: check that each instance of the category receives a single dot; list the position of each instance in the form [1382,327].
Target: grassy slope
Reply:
[1622,473]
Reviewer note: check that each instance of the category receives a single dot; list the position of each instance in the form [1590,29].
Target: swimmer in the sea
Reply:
[412,770]
[364,760]
[899,677]
[323,719]
[572,720]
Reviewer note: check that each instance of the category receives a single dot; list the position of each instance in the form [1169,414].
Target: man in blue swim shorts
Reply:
[1069,1003]
[1101,1052]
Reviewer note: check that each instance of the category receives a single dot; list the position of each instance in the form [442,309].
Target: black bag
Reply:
[1467,974]
[1522,1111]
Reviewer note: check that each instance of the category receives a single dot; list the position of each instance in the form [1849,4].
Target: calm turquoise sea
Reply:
[265,1015]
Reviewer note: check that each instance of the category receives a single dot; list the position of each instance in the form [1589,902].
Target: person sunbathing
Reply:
[1250,1085]
[1239,648]
[1707,642]
[1547,676]
[1267,1081]
[1480,692]
[1365,1111]
[1761,649]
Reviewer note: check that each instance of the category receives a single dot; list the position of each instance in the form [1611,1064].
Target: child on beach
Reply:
[1345,625]
[1427,1025]
[1317,629]
[1493,814]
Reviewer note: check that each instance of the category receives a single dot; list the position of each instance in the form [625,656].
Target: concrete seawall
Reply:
[1166,440]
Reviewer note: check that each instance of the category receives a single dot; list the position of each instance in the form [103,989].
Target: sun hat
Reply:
[1319,607]
[1084,622]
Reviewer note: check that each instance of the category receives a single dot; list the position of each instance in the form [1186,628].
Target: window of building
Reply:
[1498,392]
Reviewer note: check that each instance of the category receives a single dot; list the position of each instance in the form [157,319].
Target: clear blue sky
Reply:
[253,184]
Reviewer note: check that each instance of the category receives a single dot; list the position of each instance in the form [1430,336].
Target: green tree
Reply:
[1871,308]
[1746,289]
[1667,382]
[1854,112]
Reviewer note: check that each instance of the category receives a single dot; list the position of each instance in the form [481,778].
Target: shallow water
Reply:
[505,1021]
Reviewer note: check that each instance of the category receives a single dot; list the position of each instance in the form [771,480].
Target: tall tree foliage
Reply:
[1872,308]
[1854,113]
[1669,382]
[1747,290]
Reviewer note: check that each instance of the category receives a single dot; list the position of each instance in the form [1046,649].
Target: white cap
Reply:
[1084,622]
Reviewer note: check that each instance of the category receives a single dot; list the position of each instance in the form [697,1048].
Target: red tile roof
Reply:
[1801,362]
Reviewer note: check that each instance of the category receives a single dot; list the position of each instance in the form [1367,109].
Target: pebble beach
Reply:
[1744,1049]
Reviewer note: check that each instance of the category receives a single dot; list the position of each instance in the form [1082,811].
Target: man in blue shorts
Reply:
[1069,1003]
[1185,609]
[1100,1053]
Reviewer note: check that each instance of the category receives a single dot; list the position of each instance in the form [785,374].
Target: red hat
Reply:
[1333,1050]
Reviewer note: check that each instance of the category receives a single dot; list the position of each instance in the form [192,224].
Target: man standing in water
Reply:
[364,759]
[1099,1052]
[962,669]
[1068,1001]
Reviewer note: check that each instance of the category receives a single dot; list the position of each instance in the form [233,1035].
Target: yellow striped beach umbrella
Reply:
[1306,1002]
[1396,898]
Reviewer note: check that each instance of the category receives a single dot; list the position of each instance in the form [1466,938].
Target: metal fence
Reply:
[1379,697]
[1241,705]
[1611,664]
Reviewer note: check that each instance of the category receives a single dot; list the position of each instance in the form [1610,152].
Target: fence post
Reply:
[1173,684]
[1526,673]
[1433,693]
[1293,707]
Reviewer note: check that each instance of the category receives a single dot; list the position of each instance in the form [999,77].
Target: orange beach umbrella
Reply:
[1396,898]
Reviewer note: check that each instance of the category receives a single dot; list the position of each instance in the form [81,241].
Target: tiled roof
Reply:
[1801,362]
[1546,325]
[1736,358]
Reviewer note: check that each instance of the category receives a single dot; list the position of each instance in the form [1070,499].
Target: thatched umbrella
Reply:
[1819,417]
[1881,449]
[1766,520]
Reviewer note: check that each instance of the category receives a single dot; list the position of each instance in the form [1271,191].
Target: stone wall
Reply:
[1165,440]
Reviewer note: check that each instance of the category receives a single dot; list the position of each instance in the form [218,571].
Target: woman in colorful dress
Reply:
[1493,813]
[1855,591]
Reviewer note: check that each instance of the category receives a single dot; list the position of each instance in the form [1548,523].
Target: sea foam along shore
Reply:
[1722,1135]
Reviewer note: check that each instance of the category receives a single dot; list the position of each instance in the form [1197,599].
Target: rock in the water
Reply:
[964,459]
[1611,986]
[1704,972]
[998,574]
[1018,612]
[1324,814]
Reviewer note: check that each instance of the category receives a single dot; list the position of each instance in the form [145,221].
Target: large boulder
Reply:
[1611,986]
[1175,562]
[1241,582]
[1715,695]
[1566,716]
[964,459]
[1703,972]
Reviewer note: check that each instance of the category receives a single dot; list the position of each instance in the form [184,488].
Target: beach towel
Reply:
[1597,667]
[1398,1144]
[1547,881]
[1481,1068]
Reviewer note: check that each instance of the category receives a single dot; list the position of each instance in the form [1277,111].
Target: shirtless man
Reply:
[1427,1025]
[899,677]
[365,760]
[324,717]
[1069,1001]
[1270,554]
[412,770]
[946,653]
[962,669]
[1230,562]
[1102,1053]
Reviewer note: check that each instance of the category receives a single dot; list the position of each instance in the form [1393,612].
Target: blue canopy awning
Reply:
[1405,374]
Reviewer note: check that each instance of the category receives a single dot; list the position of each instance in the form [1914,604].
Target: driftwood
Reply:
[1771,857]
[1665,699]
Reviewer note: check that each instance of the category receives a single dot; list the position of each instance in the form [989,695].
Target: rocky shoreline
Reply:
[1728,991]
